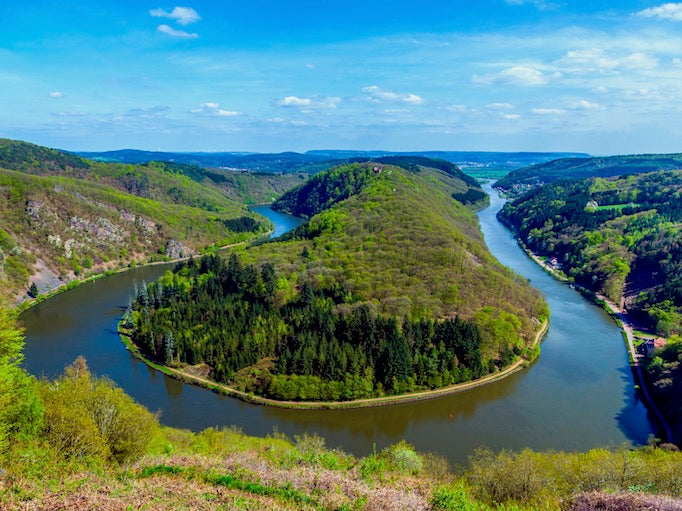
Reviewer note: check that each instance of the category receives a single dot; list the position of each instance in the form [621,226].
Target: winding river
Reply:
[579,394]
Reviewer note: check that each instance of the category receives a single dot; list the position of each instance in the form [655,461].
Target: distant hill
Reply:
[521,180]
[315,161]
[279,163]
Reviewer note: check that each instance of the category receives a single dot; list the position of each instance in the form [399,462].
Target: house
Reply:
[647,347]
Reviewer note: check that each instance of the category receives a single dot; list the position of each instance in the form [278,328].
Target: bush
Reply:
[87,416]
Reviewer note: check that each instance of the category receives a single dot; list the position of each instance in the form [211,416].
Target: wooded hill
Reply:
[351,303]
[520,181]
[62,215]
[618,236]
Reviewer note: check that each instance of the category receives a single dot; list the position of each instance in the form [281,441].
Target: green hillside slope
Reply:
[521,180]
[388,288]
[62,216]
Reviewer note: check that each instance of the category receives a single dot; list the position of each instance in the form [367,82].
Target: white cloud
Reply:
[548,111]
[211,108]
[56,94]
[677,61]
[540,4]
[456,108]
[378,94]
[183,15]
[295,101]
[667,11]
[585,105]
[310,66]
[596,59]
[511,117]
[499,106]
[312,103]
[168,30]
[516,75]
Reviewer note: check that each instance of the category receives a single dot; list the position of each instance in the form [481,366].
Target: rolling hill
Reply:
[519,181]
[63,216]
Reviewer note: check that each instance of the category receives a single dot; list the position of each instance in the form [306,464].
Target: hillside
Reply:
[519,181]
[63,216]
[388,288]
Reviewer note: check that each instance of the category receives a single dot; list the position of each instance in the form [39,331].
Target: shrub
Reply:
[87,416]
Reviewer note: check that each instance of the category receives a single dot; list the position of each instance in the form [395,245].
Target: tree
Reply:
[33,291]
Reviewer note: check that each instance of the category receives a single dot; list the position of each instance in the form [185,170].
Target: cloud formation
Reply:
[548,111]
[311,103]
[516,75]
[181,34]
[182,15]
[667,11]
[377,94]
[596,59]
[211,108]
[56,94]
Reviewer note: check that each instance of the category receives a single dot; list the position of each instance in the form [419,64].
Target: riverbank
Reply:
[188,377]
[26,304]
[619,316]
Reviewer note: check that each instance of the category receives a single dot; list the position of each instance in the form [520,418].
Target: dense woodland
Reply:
[70,216]
[319,345]
[618,236]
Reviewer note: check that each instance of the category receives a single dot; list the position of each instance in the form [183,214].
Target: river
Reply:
[579,394]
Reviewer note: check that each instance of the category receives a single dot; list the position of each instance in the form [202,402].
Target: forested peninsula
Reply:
[387,289]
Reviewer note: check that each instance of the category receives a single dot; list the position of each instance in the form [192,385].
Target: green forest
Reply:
[617,236]
[309,348]
[620,237]
[80,442]
[65,217]
[521,180]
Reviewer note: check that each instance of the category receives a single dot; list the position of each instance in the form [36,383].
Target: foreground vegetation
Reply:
[79,442]
[379,298]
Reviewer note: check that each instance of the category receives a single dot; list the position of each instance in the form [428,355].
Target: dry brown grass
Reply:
[597,501]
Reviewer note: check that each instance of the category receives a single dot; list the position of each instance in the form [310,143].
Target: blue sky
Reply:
[511,75]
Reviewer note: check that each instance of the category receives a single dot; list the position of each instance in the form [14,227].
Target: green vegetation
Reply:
[630,252]
[306,330]
[80,443]
[664,372]
[304,349]
[62,216]
[519,181]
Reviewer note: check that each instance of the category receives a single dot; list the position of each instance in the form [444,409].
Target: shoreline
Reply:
[618,315]
[221,388]
[25,305]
